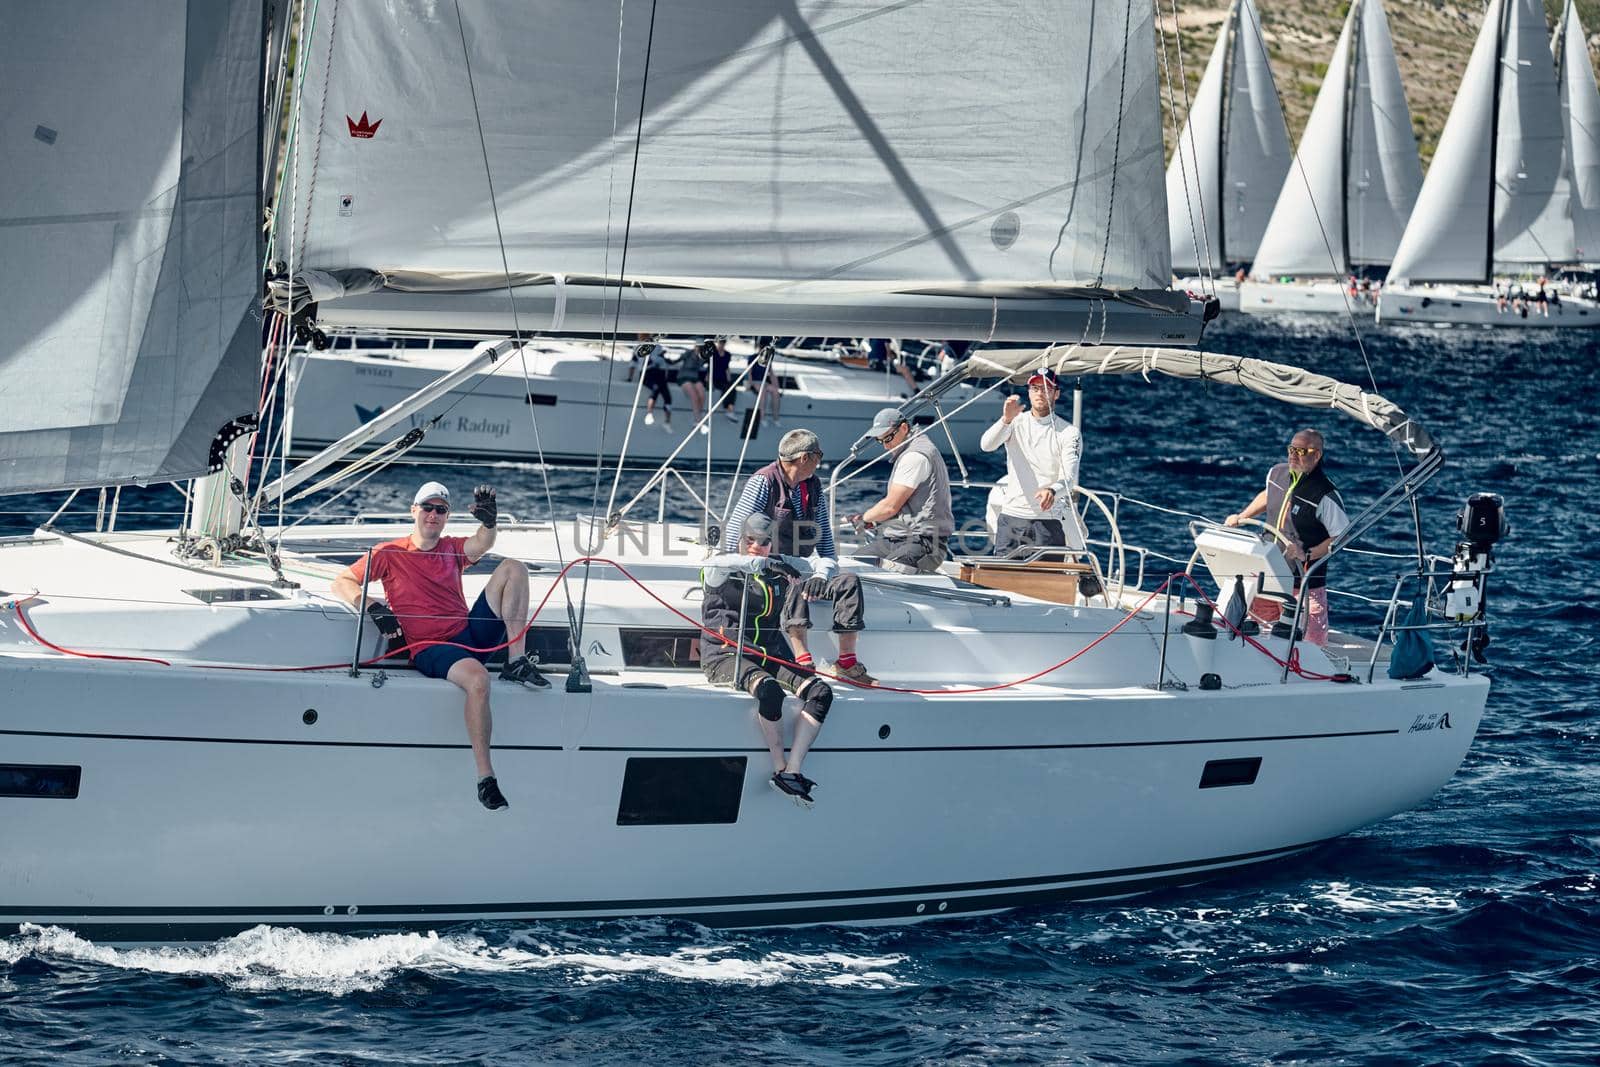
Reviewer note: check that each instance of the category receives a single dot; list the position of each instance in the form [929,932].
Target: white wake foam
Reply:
[268,958]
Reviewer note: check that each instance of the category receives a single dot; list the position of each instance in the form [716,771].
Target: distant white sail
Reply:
[1468,218]
[1580,107]
[1385,169]
[1357,172]
[1532,219]
[1232,154]
[786,147]
[129,237]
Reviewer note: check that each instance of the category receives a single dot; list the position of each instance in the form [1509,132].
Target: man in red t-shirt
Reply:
[421,576]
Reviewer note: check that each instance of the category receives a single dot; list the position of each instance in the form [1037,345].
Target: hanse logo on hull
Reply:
[363,129]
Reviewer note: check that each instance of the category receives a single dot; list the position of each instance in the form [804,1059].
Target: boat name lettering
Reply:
[1433,720]
[482,426]
[374,372]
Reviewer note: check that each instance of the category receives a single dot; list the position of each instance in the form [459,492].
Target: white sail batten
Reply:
[1258,148]
[1447,238]
[127,330]
[1384,169]
[1305,235]
[1532,219]
[784,149]
[1194,211]
[1580,108]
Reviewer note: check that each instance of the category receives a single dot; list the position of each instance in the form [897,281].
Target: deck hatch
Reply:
[39,781]
[1221,772]
[681,791]
[235,596]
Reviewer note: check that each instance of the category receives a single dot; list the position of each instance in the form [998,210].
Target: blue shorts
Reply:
[484,629]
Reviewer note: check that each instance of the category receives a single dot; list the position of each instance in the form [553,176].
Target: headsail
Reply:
[777,156]
[1580,107]
[129,233]
[1232,155]
[1357,172]
[1495,191]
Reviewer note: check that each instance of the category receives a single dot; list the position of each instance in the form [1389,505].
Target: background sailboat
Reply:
[1495,203]
[1354,182]
[1580,110]
[1229,163]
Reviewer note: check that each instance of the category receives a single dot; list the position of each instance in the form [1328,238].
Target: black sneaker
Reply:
[489,794]
[794,786]
[522,671]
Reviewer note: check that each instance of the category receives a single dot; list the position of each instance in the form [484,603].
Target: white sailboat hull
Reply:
[1226,290]
[487,418]
[1477,306]
[209,800]
[1323,297]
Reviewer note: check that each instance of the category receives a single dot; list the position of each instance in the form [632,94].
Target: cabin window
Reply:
[39,781]
[1225,772]
[543,400]
[681,790]
[671,650]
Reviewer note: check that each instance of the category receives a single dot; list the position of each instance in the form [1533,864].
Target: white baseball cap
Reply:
[431,490]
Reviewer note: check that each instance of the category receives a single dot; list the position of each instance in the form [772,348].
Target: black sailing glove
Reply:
[384,619]
[483,508]
[776,565]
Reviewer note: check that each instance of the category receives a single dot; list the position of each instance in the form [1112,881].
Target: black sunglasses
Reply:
[436,509]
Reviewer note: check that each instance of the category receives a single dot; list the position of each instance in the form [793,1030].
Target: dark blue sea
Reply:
[1465,932]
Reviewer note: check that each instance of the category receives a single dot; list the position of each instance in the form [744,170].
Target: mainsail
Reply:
[1357,172]
[129,237]
[1232,155]
[734,161]
[1580,108]
[1497,190]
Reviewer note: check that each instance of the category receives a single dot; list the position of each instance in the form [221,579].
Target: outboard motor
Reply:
[1481,523]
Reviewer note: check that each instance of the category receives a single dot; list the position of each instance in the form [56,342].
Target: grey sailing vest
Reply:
[928,513]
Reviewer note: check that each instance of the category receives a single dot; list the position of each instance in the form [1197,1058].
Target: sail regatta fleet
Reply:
[1511,201]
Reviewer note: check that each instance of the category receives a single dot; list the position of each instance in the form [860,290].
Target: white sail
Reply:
[1532,219]
[1193,209]
[1258,149]
[786,149]
[1580,107]
[1447,238]
[1384,169]
[1305,235]
[1232,155]
[128,238]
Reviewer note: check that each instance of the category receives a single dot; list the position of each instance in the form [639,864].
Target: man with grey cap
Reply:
[788,492]
[421,577]
[915,518]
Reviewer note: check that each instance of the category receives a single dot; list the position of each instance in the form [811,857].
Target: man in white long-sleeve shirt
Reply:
[1034,499]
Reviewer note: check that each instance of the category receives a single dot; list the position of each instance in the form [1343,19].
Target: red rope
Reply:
[764,656]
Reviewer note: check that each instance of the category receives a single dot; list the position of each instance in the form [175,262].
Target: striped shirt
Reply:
[756,498]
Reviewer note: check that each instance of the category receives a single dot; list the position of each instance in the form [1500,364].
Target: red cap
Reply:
[1044,376]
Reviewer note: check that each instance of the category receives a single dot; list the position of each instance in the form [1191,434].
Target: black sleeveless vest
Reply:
[796,531]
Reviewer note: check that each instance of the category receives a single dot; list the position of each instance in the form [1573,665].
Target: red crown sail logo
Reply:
[363,128]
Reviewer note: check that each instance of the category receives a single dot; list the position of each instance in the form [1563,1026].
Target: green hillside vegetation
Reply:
[1432,40]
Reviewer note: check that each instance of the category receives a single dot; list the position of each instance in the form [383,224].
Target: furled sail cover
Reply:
[128,237]
[1580,104]
[1532,216]
[1447,239]
[1279,381]
[786,145]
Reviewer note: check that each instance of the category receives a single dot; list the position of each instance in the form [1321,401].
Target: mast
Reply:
[1231,30]
[1494,136]
[1352,73]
